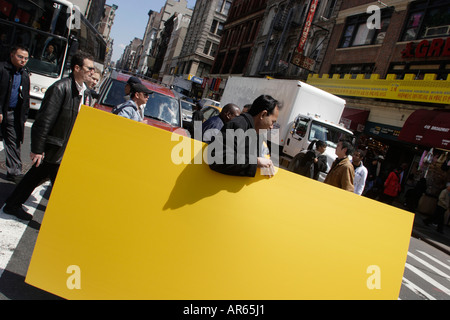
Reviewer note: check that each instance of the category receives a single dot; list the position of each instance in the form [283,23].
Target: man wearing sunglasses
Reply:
[130,109]
[51,130]
[14,106]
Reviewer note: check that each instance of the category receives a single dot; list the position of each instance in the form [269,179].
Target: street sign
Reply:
[303,62]
[195,79]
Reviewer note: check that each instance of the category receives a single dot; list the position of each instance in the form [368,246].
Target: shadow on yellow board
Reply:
[125,222]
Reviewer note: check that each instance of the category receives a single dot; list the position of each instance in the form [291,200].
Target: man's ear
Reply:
[263,114]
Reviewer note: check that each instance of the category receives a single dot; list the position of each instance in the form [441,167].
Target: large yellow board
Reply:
[125,222]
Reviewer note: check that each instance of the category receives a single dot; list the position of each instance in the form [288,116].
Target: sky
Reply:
[131,20]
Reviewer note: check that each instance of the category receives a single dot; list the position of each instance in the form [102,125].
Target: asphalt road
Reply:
[426,276]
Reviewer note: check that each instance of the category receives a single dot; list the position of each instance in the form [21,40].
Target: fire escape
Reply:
[270,62]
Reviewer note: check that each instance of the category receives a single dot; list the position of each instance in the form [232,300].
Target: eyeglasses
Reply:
[21,57]
[145,94]
[90,68]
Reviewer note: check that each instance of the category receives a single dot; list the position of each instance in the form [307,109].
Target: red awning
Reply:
[428,128]
[354,119]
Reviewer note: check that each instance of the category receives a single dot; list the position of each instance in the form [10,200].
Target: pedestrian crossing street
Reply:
[425,277]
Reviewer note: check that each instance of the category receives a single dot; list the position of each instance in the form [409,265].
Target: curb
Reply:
[425,238]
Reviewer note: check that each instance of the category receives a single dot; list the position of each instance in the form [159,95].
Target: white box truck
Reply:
[307,113]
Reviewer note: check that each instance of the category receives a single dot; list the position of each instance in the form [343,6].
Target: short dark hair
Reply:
[361,153]
[78,59]
[19,47]
[347,144]
[263,102]
[320,143]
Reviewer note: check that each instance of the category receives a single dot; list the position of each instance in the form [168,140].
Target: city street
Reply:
[426,275]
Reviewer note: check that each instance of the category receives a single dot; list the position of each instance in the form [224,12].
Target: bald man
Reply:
[214,124]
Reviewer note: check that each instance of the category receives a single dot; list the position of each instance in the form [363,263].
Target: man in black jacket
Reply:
[14,106]
[238,150]
[51,130]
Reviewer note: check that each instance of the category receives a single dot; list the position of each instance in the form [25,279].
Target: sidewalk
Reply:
[429,234]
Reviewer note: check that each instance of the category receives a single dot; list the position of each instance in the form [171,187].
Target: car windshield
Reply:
[159,106]
[164,108]
[331,135]
[115,94]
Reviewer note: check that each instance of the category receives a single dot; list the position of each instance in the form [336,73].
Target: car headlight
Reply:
[38,89]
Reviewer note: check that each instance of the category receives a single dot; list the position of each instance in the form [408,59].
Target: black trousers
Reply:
[32,179]
[437,217]
[11,142]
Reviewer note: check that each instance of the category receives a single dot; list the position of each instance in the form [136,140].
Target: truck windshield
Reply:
[331,135]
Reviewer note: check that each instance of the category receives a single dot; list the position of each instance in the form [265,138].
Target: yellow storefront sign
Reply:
[427,90]
[125,222]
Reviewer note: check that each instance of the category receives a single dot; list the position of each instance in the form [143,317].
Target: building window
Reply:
[210,48]
[220,6]
[329,9]
[216,27]
[207,47]
[353,69]
[427,19]
[223,7]
[203,69]
[356,32]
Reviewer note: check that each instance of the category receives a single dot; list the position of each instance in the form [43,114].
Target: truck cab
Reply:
[307,128]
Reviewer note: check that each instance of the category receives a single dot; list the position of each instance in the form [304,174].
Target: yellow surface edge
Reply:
[138,226]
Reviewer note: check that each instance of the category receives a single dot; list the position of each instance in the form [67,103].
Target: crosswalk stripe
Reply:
[428,279]
[434,259]
[12,229]
[429,266]
[417,290]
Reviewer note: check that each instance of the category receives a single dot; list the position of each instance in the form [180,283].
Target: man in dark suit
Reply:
[14,106]
[238,150]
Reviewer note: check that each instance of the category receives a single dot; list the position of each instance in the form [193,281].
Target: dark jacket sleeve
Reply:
[242,164]
[46,118]
[25,98]
[322,163]
[3,87]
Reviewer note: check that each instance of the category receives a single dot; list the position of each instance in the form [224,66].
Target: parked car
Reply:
[163,108]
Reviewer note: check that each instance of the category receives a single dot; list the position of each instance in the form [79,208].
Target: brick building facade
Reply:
[389,73]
